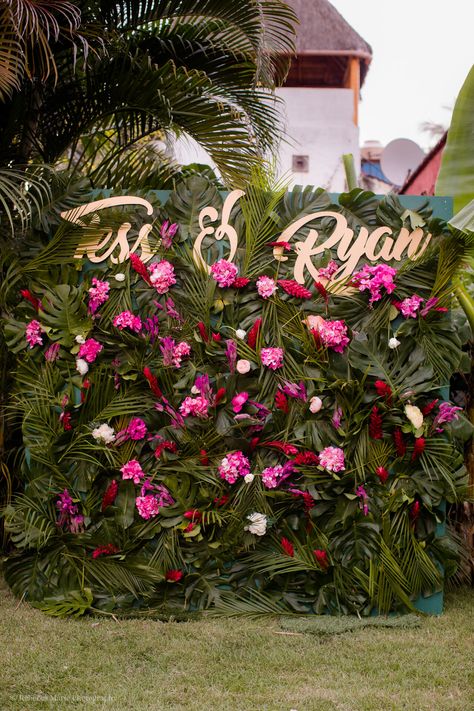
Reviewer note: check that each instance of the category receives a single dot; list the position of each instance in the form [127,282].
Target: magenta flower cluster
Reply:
[195,407]
[98,294]
[272,357]
[234,465]
[374,279]
[90,349]
[126,319]
[34,333]
[273,476]
[332,459]
[162,276]
[224,272]
[333,334]
[132,470]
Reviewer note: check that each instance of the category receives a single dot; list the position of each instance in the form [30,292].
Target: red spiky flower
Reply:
[253,333]
[287,546]
[306,459]
[139,267]
[418,448]
[427,409]
[36,303]
[384,390]
[399,441]
[152,382]
[281,401]
[321,557]
[287,449]
[173,575]
[202,330]
[294,289]
[322,290]
[375,424]
[240,282]
[382,474]
[110,495]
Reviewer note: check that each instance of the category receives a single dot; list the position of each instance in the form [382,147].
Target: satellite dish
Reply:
[400,158]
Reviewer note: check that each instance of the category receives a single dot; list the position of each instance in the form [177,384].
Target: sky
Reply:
[422,53]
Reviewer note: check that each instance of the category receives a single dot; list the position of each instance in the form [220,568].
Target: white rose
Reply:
[393,343]
[195,390]
[104,433]
[258,524]
[248,478]
[120,276]
[243,366]
[315,404]
[240,333]
[415,416]
[82,366]
[80,339]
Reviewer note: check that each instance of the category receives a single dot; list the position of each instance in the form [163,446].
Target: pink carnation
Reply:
[52,353]
[132,470]
[162,276]
[34,334]
[272,476]
[272,357]
[239,400]
[98,294]
[410,306]
[195,406]
[266,286]
[332,459]
[224,272]
[90,349]
[329,271]
[374,279]
[148,506]
[234,465]
[180,351]
[333,334]
[136,429]
[126,319]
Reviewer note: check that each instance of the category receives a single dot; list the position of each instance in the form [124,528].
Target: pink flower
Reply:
[224,272]
[239,400]
[195,407]
[34,334]
[126,319]
[132,470]
[446,413]
[136,429]
[332,459]
[364,500]
[234,465]
[98,294]
[182,350]
[148,506]
[52,353]
[329,271]
[409,307]
[162,276]
[266,286]
[167,232]
[90,349]
[242,366]
[374,279]
[332,334]
[272,476]
[272,357]
[172,353]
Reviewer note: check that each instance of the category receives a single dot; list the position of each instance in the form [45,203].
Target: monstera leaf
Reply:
[189,198]
[405,368]
[64,314]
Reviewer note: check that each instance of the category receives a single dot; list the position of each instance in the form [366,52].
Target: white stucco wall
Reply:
[319,124]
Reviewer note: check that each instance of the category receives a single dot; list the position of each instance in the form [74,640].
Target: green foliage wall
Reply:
[346,481]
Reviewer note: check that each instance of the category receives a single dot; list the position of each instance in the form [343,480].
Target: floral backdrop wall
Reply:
[234,439]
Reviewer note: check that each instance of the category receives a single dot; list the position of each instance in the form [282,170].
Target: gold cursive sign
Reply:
[378,245]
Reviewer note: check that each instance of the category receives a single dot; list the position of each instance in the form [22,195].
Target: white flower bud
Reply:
[393,343]
[315,404]
[82,366]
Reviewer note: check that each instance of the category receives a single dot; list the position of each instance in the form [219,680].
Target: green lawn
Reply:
[227,664]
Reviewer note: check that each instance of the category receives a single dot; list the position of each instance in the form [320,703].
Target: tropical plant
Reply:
[234,439]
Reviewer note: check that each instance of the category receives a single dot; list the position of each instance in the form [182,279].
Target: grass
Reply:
[233,664]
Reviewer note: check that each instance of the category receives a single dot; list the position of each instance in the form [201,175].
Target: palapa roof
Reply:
[322,28]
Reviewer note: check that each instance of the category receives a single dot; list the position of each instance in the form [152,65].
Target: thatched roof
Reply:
[322,28]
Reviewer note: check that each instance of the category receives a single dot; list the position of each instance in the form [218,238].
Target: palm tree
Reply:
[78,80]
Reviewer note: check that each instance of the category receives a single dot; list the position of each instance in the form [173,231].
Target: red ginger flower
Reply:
[173,575]
[427,409]
[140,268]
[65,419]
[36,303]
[152,382]
[240,282]
[202,330]
[384,390]
[281,401]
[220,395]
[419,448]
[109,495]
[287,449]
[204,459]
[287,547]
[399,441]
[253,333]
[375,424]
[108,549]
[415,511]
[166,445]
[190,527]
[382,474]
[221,500]
[193,515]
[216,337]
[322,290]
[306,458]
[321,557]
[294,289]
